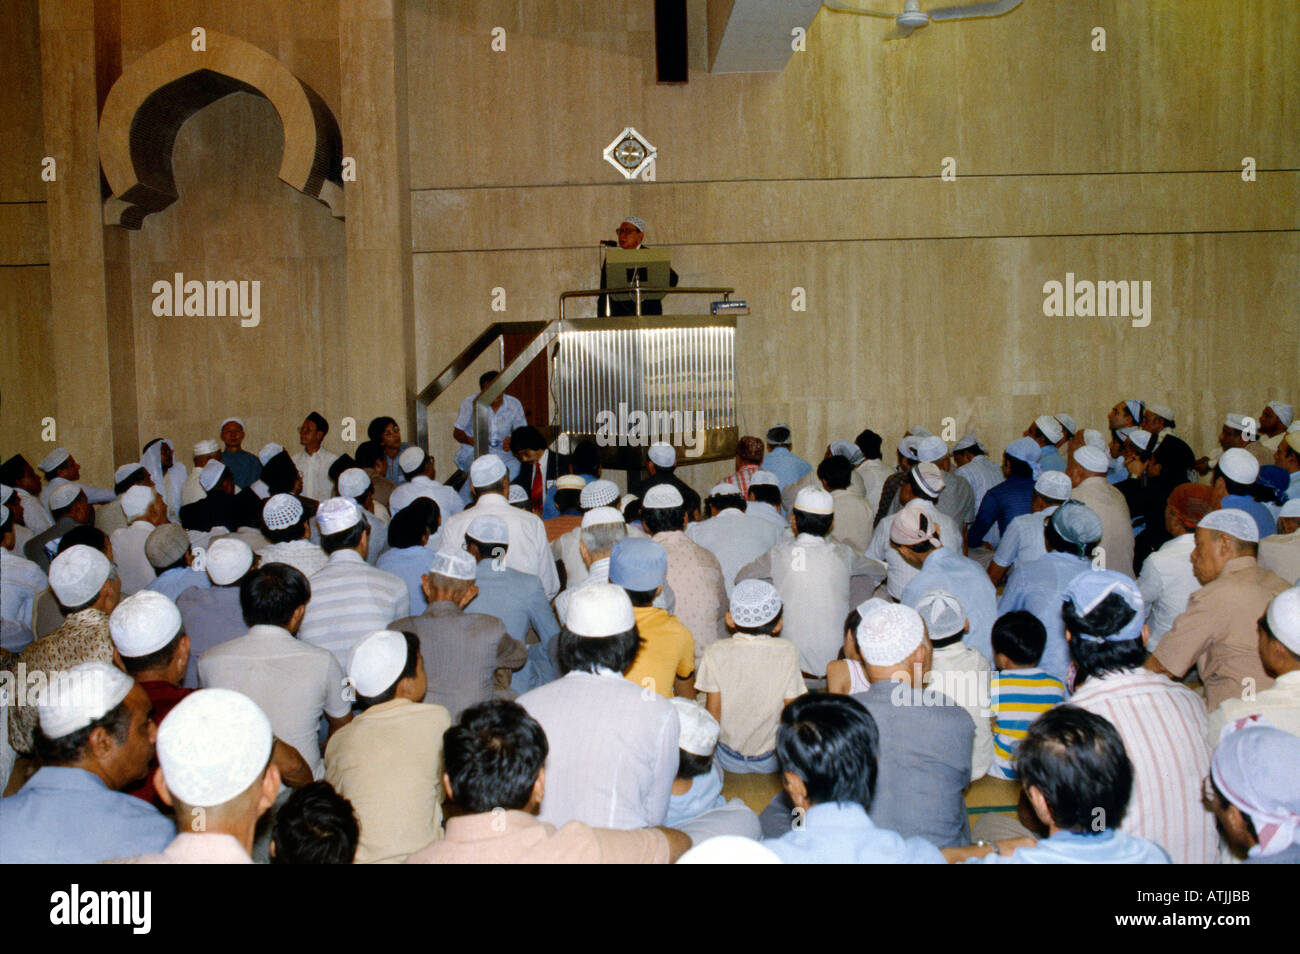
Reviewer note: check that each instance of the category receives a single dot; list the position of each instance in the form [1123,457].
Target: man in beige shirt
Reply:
[854,521]
[495,771]
[1217,632]
[1087,472]
[387,761]
[1281,551]
[1279,651]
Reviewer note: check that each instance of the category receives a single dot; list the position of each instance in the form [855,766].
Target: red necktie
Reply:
[538,487]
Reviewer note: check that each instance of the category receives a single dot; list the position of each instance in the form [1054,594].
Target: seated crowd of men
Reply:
[325,658]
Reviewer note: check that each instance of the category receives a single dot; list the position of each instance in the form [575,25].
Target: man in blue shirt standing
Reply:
[780,460]
[95,736]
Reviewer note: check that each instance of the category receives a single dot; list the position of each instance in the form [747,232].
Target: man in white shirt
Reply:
[420,471]
[349,598]
[854,520]
[313,461]
[763,498]
[20,578]
[1279,651]
[1280,552]
[18,474]
[923,482]
[1167,580]
[192,490]
[507,414]
[973,464]
[293,682]
[1087,472]
[735,537]
[872,470]
[59,466]
[529,551]
[144,510]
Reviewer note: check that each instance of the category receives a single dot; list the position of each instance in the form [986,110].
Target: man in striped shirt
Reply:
[349,598]
[1162,723]
[1021,691]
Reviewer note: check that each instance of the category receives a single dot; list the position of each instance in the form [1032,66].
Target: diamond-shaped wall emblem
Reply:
[630,153]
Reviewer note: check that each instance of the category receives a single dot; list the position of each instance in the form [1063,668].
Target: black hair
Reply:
[1268,631]
[344,539]
[836,471]
[486,378]
[1020,636]
[57,512]
[690,765]
[408,670]
[492,756]
[816,524]
[1018,467]
[322,425]
[721,502]
[72,747]
[766,493]
[766,629]
[830,742]
[1077,760]
[375,429]
[586,458]
[661,519]
[280,474]
[367,454]
[869,443]
[1053,540]
[12,470]
[285,534]
[1096,657]
[527,438]
[568,500]
[345,462]
[158,659]
[641,597]
[136,476]
[914,481]
[778,436]
[271,594]
[408,526]
[315,826]
[486,551]
[632,511]
[1223,802]
[583,653]
[1233,487]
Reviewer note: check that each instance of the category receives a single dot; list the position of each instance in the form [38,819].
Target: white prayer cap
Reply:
[144,623]
[337,514]
[488,528]
[849,451]
[377,662]
[517,495]
[88,692]
[211,474]
[626,499]
[1235,421]
[62,495]
[54,459]
[487,471]
[1140,439]
[636,221]
[599,610]
[697,731]
[213,745]
[228,560]
[571,482]
[763,478]
[1283,618]
[208,446]
[1293,428]
[598,493]
[1240,465]
[918,431]
[814,500]
[754,603]
[281,512]
[1284,412]
[942,614]
[730,850]
[166,544]
[598,515]
[1054,485]
[1067,422]
[404,495]
[1094,438]
[228,420]
[907,447]
[662,454]
[929,477]
[78,573]
[1049,427]
[931,448]
[662,497]
[725,490]
[353,482]
[889,633]
[1162,410]
[269,451]
[136,501]
[1233,522]
[1290,509]
[969,440]
[5,493]
[125,471]
[4,514]
[1091,459]
[409,459]
[454,564]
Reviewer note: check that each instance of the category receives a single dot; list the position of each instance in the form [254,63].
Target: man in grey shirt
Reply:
[462,651]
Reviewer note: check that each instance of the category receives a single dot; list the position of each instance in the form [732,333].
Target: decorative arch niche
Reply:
[156,94]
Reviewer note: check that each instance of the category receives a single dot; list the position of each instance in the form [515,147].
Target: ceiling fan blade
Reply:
[860,11]
[973,10]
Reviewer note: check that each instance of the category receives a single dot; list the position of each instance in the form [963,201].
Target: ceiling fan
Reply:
[914,18]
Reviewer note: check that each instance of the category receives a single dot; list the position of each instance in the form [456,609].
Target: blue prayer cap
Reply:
[1275,479]
[1090,587]
[1026,449]
[1076,523]
[638,564]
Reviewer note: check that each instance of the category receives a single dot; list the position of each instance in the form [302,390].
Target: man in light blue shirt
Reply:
[408,555]
[95,736]
[780,460]
[1234,476]
[1023,541]
[168,551]
[515,598]
[828,746]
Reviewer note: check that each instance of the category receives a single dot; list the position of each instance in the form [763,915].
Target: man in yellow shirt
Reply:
[666,661]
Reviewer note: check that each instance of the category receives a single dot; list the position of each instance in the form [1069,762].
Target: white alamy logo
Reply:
[196,299]
[131,908]
[1086,299]
[626,428]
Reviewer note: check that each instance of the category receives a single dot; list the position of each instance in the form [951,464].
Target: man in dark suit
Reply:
[631,233]
[538,470]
